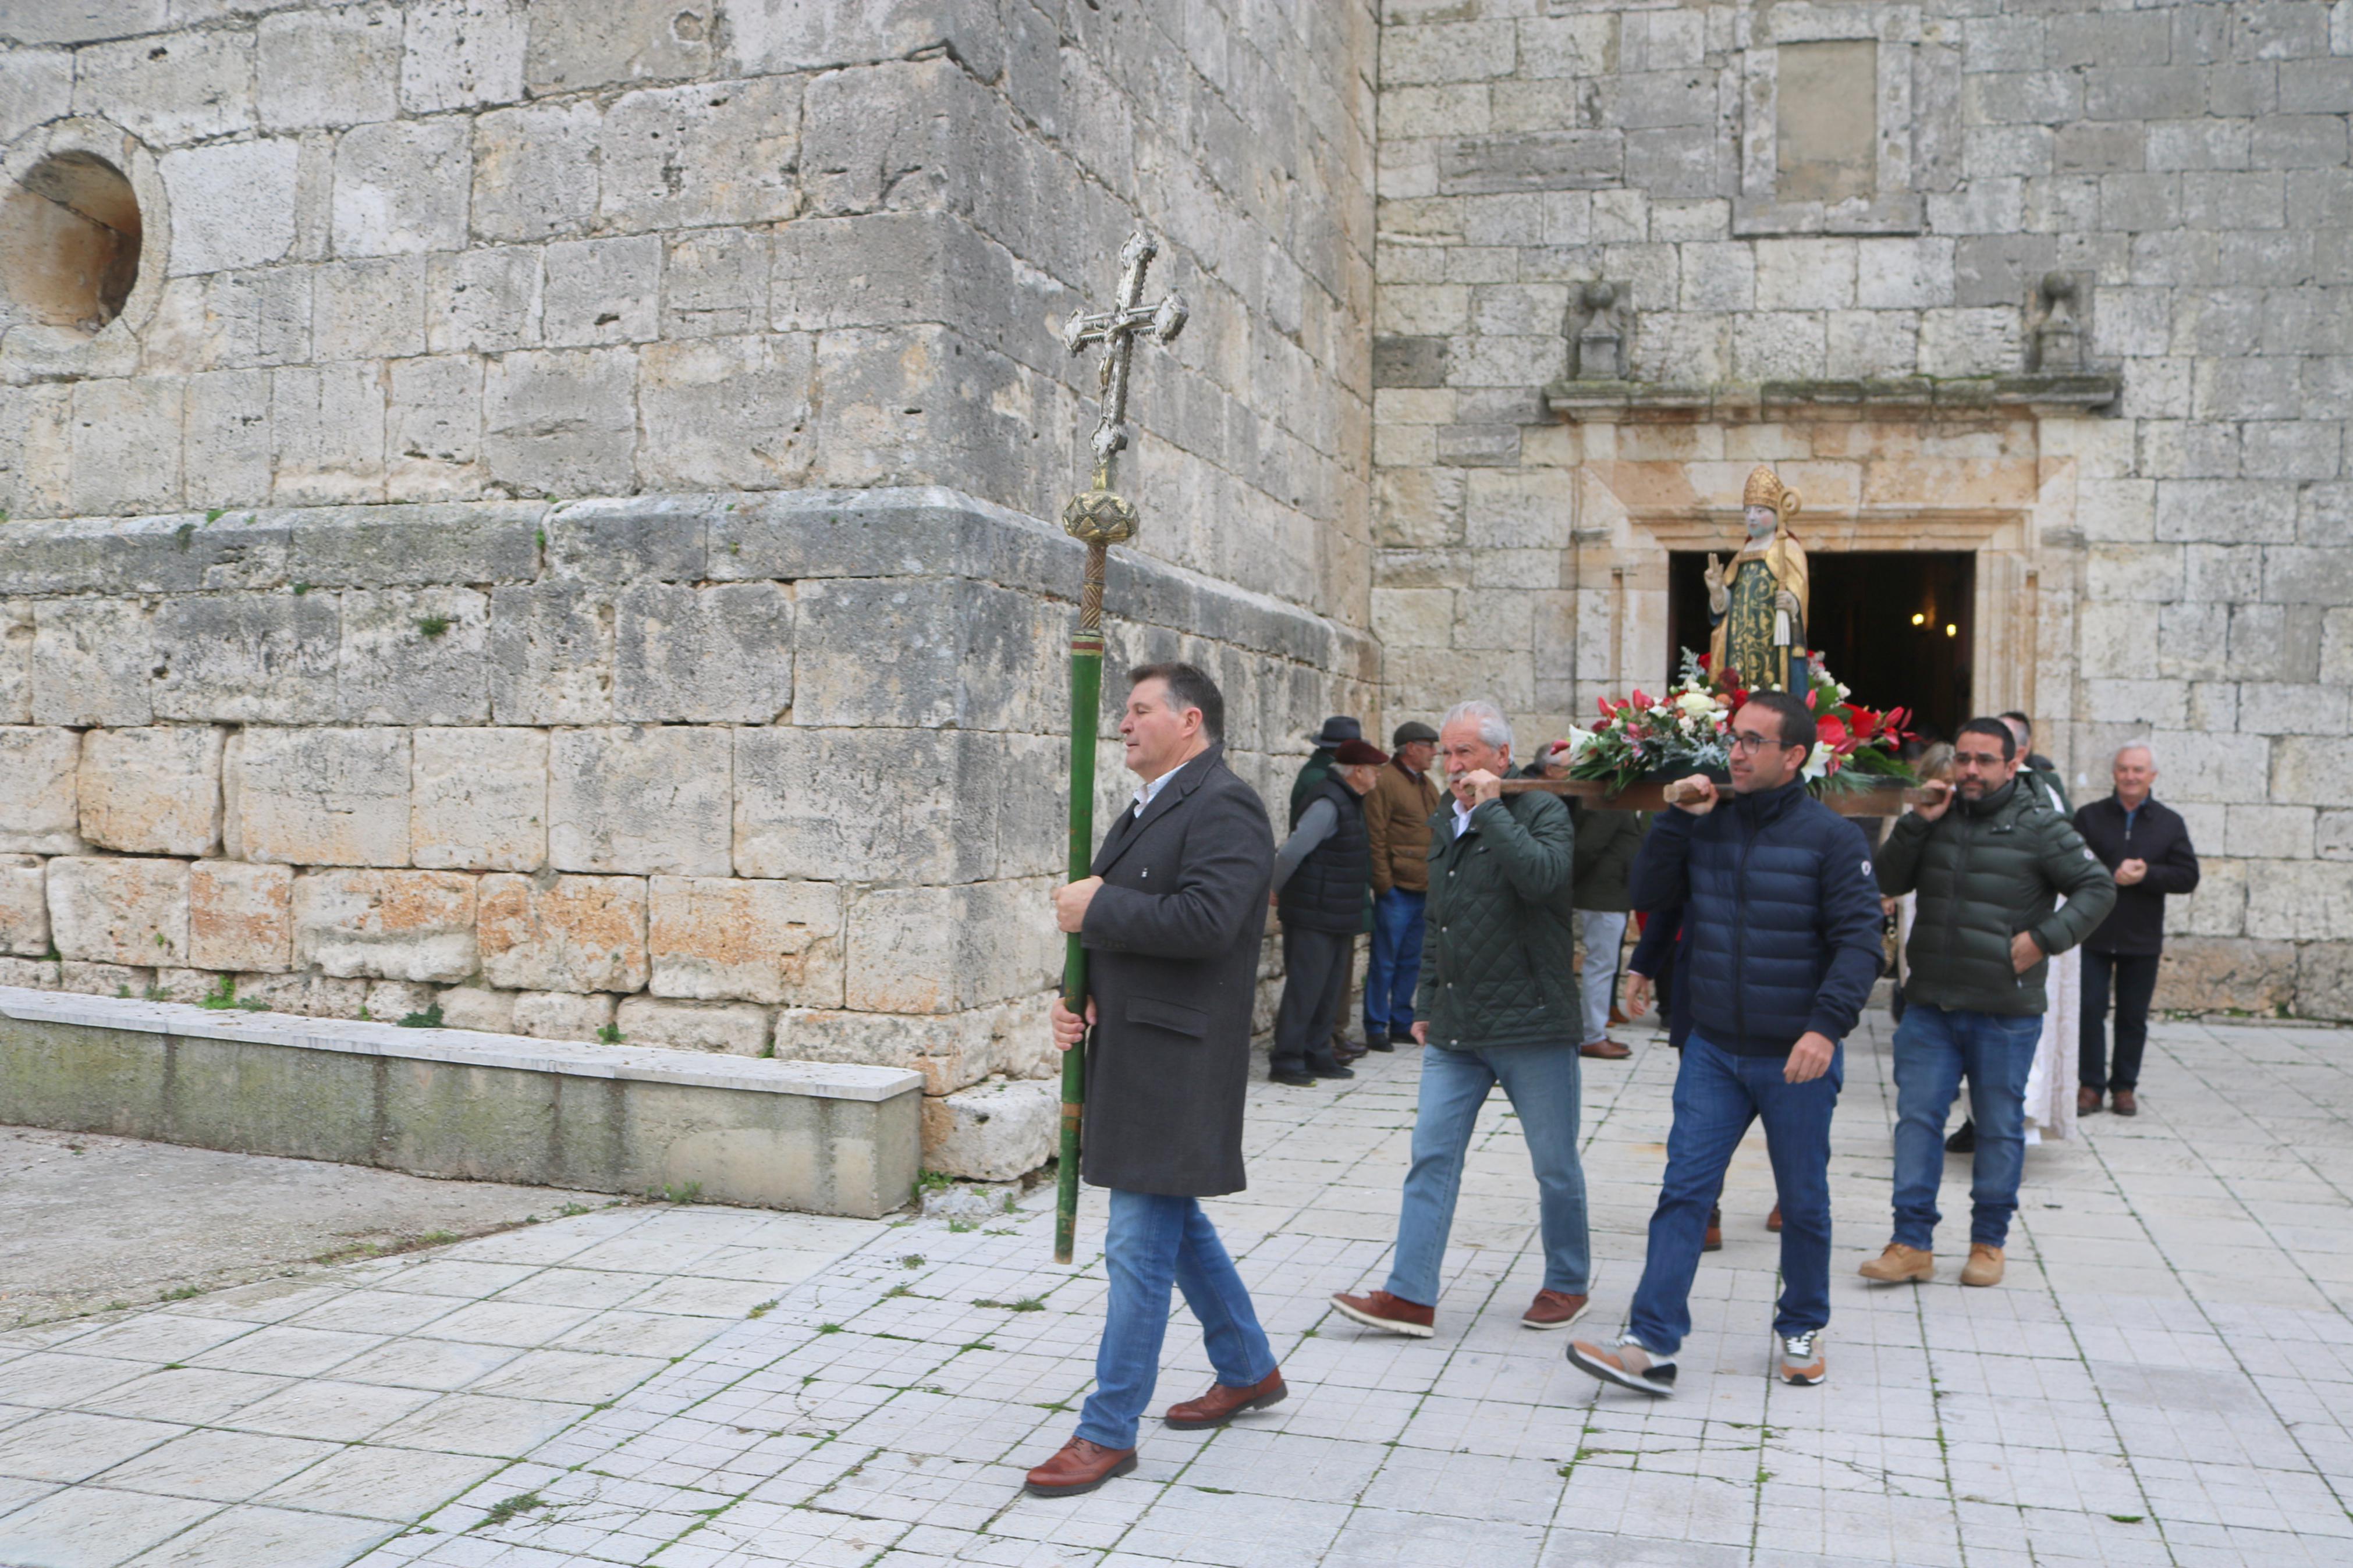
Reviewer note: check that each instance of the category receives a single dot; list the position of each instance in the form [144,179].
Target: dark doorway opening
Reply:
[1892,624]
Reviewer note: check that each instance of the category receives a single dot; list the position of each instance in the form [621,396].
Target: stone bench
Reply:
[816,1136]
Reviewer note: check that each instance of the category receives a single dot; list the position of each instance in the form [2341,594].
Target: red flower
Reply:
[1639,699]
[1833,734]
[1864,722]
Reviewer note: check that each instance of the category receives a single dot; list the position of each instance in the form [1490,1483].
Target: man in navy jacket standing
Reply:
[1781,932]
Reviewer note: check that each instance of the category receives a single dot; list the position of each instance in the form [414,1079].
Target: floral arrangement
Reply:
[1687,732]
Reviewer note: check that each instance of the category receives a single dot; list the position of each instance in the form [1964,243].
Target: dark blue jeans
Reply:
[1395,966]
[1934,1048]
[1151,1242]
[1718,1095]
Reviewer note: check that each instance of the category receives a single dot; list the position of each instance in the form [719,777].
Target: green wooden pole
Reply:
[1099,518]
[1086,704]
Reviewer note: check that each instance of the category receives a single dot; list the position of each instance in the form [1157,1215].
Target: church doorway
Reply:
[1895,625]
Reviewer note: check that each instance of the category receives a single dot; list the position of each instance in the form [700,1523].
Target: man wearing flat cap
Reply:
[1397,820]
[1337,730]
[1321,875]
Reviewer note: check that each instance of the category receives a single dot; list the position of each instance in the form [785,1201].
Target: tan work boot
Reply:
[1900,1263]
[1984,1267]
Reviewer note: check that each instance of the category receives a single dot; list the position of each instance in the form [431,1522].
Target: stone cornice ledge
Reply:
[1614,402]
[464,1047]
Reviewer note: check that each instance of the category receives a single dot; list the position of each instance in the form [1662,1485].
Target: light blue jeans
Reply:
[1542,1082]
[1151,1242]
[1933,1047]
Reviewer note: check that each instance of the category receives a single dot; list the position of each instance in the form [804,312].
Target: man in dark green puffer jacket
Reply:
[1497,1005]
[1989,863]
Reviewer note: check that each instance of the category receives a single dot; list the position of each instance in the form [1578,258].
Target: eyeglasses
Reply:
[1751,740]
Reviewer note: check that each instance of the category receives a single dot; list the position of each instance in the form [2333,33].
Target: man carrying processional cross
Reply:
[1758,605]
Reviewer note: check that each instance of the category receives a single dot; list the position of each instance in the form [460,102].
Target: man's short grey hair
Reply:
[2135,746]
[1494,727]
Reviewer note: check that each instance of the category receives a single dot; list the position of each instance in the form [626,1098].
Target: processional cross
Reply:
[1098,516]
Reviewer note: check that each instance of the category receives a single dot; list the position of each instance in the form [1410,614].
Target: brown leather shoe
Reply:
[1554,1310]
[2087,1102]
[1344,1055]
[2122,1103]
[1607,1050]
[1379,1310]
[1714,1241]
[1773,1220]
[1617,1016]
[1079,1467]
[1222,1402]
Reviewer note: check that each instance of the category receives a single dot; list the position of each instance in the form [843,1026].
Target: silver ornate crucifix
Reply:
[1099,518]
[1117,328]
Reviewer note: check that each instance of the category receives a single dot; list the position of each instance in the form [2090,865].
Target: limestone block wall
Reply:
[766,775]
[1826,223]
[459,249]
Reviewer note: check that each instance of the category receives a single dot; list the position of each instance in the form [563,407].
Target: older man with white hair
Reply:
[2145,847]
[1498,1004]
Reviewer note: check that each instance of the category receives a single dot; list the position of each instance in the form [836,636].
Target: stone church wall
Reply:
[552,530]
[1849,239]
[757,774]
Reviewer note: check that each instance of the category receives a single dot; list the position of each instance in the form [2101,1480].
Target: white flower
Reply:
[1577,740]
[1818,761]
[1695,703]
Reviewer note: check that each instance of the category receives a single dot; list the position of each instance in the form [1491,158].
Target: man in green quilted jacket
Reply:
[1498,1003]
[1989,861]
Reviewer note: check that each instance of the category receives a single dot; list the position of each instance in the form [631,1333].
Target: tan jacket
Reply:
[1396,818]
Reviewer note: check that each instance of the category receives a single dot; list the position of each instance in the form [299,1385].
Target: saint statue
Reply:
[1758,606]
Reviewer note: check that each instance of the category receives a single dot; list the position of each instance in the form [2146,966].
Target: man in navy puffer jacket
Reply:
[1781,926]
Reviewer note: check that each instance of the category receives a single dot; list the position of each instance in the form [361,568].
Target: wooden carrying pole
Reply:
[1878,800]
[1100,519]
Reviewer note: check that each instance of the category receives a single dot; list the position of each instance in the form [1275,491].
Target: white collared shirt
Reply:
[1145,793]
[1461,817]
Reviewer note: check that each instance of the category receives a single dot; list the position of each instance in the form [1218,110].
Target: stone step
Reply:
[823,1137]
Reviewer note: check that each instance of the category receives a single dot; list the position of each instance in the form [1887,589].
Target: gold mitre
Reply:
[1765,488]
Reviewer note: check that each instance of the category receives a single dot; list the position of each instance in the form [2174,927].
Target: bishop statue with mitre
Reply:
[1758,605]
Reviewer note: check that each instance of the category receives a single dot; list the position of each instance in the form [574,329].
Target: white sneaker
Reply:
[1801,1359]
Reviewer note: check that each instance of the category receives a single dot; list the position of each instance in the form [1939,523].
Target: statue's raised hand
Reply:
[1719,591]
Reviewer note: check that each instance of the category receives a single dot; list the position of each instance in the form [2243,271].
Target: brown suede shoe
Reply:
[1900,1264]
[1222,1402]
[1607,1050]
[2122,1103]
[1984,1267]
[1554,1310]
[1379,1310]
[2087,1102]
[1079,1467]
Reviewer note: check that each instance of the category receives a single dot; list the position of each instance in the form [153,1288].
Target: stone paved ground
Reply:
[2167,1376]
[88,1222]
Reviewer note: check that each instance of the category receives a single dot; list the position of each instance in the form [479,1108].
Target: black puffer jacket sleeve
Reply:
[1849,923]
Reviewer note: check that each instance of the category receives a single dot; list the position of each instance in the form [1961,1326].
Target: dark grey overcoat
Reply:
[1172,940]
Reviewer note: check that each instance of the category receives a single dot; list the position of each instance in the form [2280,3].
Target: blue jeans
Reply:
[1933,1049]
[1718,1095]
[1151,1242]
[1395,966]
[1542,1085]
